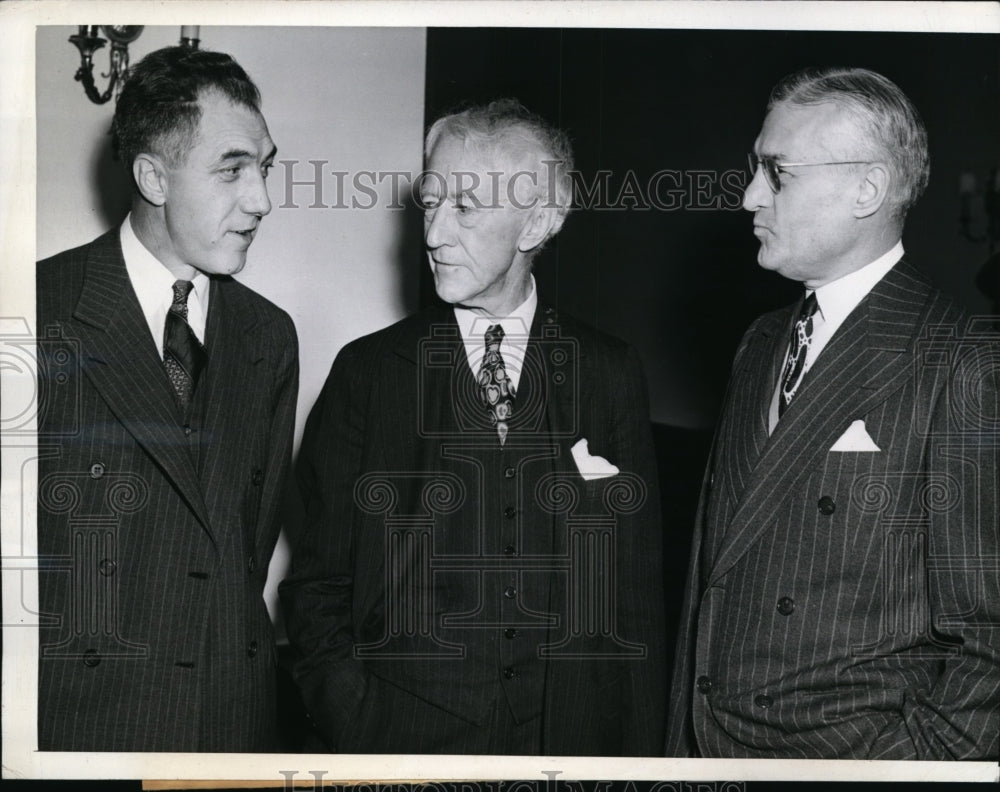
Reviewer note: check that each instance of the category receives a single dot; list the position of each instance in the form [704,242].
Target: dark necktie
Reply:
[183,355]
[495,386]
[795,363]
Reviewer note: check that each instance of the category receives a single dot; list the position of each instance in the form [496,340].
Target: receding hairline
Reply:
[185,136]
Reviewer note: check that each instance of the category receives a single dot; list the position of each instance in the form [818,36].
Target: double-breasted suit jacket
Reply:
[155,527]
[441,575]
[844,603]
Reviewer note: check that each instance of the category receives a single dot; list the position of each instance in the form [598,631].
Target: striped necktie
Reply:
[795,363]
[183,355]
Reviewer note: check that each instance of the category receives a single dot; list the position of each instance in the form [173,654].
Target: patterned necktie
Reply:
[795,363]
[496,389]
[183,355]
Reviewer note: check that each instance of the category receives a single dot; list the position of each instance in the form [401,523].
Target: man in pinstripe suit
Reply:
[167,405]
[480,568]
[843,596]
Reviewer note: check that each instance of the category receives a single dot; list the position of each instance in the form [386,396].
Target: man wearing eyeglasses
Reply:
[843,596]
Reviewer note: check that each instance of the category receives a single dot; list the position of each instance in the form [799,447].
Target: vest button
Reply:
[510,512]
[510,592]
[826,505]
[763,701]
[187,429]
[107,567]
[510,633]
[510,550]
[91,658]
[252,564]
[786,606]
[704,684]
[509,673]
[257,477]
[509,472]
[252,649]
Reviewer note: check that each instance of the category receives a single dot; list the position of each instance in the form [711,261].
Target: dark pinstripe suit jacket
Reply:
[382,456]
[155,530]
[845,604]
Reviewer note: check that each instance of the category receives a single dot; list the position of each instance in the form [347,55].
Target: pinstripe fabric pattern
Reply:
[155,634]
[381,413]
[846,604]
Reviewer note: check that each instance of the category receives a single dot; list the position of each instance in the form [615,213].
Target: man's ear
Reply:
[150,176]
[874,190]
[545,221]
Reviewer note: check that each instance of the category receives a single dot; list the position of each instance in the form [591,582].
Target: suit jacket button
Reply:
[704,684]
[763,701]
[107,567]
[510,592]
[510,633]
[510,550]
[510,512]
[257,477]
[91,658]
[252,564]
[96,470]
[786,605]
[509,673]
[252,649]
[826,505]
[509,472]
[187,430]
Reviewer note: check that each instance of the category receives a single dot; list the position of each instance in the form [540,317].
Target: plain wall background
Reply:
[351,96]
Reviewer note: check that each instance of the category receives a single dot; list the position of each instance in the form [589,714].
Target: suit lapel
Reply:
[555,351]
[752,392]
[869,357]
[229,385]
[122,362]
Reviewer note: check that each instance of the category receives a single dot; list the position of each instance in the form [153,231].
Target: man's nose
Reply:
[436,226]
[758,193]
[255,197]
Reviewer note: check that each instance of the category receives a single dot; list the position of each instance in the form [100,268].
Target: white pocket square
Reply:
[856,438]
[591,467]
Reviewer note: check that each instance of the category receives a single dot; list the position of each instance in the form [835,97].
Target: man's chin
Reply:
[447,291]
[224,268]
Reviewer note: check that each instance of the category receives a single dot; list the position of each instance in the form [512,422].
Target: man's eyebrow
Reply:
[243,154]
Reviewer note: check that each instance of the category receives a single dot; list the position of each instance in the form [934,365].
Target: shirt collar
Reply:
[517,325]
[516,328]
[153,285]
[838,298]
[150,277]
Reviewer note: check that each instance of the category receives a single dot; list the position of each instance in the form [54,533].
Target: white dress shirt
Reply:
[516,329]
[154,286]
[835,301]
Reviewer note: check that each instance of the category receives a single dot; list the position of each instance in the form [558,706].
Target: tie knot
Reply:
[809,307]
[494,335]
[182,289]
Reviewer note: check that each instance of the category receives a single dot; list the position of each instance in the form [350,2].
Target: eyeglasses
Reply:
[772,168]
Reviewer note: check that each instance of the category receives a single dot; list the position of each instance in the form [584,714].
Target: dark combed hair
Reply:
[894,131]
[158,110]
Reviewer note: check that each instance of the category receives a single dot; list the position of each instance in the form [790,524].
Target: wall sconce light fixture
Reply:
[88,42]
